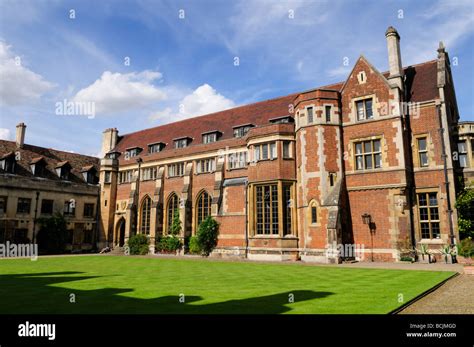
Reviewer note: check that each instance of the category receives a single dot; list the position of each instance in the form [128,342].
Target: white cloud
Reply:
[5,134]
[203,100]
[18,84]
[117,92]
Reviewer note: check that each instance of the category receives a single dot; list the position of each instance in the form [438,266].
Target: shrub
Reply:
[207,235]
[466,248]
[176,224]
[168,244]
[194,247]
[138,244]
[52,237]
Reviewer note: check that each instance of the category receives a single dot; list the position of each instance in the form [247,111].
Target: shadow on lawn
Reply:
[38,293]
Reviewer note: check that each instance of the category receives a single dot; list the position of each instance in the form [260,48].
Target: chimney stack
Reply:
[20,135]
[394,57]
[109,140]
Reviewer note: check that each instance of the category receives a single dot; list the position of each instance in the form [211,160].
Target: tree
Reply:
[176,224]
[465,207]
[207,235]
[52,236]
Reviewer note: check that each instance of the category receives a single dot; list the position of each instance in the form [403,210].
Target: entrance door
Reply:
[121,232]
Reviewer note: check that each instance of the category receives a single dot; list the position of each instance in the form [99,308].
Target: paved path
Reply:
[456,296]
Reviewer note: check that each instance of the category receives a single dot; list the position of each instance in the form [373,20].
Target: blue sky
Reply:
[145,63]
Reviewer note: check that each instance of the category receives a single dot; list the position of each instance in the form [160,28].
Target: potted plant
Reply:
[446,251]
[424,251]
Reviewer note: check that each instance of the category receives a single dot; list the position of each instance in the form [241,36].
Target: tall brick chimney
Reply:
[20,135]
[394,57]
[109,140]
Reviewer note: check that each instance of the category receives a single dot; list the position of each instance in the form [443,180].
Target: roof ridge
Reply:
[54,149]
[213,113]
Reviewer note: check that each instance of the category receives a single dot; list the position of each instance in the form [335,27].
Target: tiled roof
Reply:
[30,154]
[421,82]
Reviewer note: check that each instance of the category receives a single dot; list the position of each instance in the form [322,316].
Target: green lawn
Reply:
[109,284]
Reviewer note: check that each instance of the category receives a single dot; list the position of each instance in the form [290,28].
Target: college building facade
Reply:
[367,161]
[37,182]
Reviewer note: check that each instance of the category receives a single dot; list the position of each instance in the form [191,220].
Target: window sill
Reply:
[432,241]
[237,168]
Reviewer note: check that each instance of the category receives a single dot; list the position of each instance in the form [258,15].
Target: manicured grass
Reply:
[110,284]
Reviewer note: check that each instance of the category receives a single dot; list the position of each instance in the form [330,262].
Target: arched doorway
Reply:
[120,232]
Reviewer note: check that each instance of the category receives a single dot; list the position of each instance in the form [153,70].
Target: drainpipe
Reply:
[411,187]
[96,227]
[446,181]
[34,220]
[246,221]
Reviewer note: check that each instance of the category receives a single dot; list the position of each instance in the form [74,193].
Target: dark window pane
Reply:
[368,162]
[368,109]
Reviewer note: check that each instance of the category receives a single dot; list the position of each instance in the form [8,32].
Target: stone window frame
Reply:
[4,198]
[383,149]
[290,149]
[313,203]
[52,207]
[429,150]
[183,163]
[272,151]
[167,222]
[362,77]
[418,217]
[145,227]
[24,202]
[375,113]
[211,162]
[465,153]
[313,109]
[196,211]
[252,201]
[243,163]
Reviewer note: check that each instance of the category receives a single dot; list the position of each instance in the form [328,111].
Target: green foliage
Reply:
[138,244]
[168,244]
[465,207]
[176,225]
[207,235]
[466,248]
[405,258]
[423,249]
[194,247]
[52,236]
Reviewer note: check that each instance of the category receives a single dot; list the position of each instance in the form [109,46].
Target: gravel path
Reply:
[456,296]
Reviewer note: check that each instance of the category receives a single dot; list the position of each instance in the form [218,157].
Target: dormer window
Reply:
[112,155]
[155,147]
[182,142]
[89,174]
[280,120]
[210,136]
[132,152]
[37,166]
[8,163]
[63,170]
[242,130]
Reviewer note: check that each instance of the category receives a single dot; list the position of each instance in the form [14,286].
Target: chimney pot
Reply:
[20,135]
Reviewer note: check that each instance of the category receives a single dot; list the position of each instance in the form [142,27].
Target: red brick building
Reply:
[363,162]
